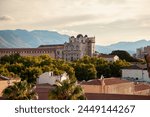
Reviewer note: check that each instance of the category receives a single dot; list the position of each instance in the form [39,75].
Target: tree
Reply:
[68,69]
[31,74]
[66,90]
[20,91]
[117,66]
[124,55]
[85,71]
[15,68]
[103,69]
[13,58]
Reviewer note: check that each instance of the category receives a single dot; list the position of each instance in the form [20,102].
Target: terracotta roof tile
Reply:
[139,87]
[43,91]
[97,96]
[107,81]
[45,84]
[91,82]
[111,81]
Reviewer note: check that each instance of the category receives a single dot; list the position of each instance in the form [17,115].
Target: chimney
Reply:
[102,84]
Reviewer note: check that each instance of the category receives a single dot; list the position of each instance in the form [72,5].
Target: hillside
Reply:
[127,46]
[23,38]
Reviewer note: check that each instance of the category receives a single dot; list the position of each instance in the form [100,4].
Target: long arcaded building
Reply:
[75,49]
[30,51]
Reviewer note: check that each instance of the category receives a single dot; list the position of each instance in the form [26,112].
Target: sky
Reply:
[110,21]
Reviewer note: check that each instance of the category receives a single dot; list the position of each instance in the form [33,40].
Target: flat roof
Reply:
[24,49]
[53,45]
[138,67]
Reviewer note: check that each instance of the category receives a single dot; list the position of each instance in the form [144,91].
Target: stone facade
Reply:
[79,47]
[141,52]
[75,49]
[147,50]
[28,51]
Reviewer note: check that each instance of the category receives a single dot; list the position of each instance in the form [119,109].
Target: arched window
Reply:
[77,47]
[72,47]
[58,52]
[66,47]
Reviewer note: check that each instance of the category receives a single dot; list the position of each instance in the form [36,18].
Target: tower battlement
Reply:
[79,46]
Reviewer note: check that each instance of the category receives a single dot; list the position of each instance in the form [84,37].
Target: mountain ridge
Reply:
[127,46]
[22,38]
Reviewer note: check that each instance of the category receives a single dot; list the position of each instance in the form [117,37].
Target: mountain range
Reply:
[26,39]
[127,46]
[30,39]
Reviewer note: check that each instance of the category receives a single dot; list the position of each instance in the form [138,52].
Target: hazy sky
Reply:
[109,21]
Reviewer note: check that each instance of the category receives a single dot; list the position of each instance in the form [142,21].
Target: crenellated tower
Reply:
[79,46]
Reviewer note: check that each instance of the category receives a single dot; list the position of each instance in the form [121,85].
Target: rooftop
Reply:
[24,49]
[106,56]
[55,45]
[141,86]
[107,81]
[99,96]
[140,67]
[43,90]
[4,78]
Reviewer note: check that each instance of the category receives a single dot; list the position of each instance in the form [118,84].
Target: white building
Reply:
[109,58]
[50,78]
[135,73]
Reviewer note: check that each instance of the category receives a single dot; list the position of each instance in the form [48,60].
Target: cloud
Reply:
[6,18]
[60,22]
[106,2]
[68,32]
[108,20]
[111,32]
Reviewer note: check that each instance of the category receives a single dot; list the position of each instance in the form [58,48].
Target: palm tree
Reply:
[66,90]
[20,91]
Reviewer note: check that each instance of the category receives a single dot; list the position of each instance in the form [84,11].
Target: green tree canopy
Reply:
[124,55]
[85,71]
[20,91]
